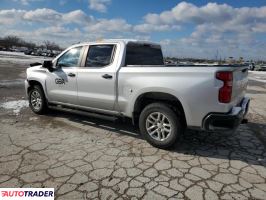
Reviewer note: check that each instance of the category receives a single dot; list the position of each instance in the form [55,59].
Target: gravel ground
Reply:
[86,158]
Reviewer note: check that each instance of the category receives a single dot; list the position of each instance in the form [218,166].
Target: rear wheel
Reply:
[37,100]
[160,125]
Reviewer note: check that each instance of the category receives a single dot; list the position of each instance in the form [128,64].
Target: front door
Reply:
[96,78]
[61,84]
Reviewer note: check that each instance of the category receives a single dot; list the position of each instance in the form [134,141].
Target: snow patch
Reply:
[20,58]
[257,72]
[257,79]
[16,106]
[259,76]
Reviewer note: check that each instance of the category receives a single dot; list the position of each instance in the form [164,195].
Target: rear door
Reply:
[61,84]
[97,76]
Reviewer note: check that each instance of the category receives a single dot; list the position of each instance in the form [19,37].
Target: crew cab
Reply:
[128,79]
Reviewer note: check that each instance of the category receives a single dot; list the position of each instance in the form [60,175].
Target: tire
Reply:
[163,133]
[37,100]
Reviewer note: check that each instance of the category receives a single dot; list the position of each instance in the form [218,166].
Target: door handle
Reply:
[71,74]
[107,76]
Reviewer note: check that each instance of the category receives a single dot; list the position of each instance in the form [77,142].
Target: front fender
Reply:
[36,75]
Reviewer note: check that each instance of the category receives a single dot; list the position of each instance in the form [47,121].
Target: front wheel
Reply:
[37,101]
[160,125]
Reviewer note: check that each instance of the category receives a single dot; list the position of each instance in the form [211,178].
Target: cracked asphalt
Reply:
[87,158]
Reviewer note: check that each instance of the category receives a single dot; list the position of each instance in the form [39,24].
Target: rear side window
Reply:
[100,55]
[142,54]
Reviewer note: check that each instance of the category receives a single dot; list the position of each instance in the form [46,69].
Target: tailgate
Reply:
[240,82]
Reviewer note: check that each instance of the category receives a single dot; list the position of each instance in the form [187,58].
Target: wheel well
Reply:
[32,83]
[152,97]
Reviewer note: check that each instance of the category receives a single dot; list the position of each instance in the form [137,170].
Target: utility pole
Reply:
[216,55]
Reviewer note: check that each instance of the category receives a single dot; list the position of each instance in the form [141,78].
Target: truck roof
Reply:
[126,41]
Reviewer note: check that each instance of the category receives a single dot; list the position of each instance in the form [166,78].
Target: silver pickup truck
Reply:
[128,78]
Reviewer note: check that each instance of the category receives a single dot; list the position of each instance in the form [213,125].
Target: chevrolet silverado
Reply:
[128,78]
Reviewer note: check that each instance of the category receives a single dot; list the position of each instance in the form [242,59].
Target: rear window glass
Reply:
[142,54]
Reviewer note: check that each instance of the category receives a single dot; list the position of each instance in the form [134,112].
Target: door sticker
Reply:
[59,81]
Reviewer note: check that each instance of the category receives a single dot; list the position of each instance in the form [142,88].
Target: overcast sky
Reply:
[185,28]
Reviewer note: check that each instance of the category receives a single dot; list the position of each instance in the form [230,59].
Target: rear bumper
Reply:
[226,121]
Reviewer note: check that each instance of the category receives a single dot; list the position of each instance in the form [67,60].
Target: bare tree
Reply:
[11,40]
[47,44]
[51,45]
[30,45]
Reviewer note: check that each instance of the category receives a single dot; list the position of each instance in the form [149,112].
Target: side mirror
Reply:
[48,64]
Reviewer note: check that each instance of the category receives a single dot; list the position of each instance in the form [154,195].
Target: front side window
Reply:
[100,55]
[70,58]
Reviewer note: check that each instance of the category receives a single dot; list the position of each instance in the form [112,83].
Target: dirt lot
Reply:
[86,158]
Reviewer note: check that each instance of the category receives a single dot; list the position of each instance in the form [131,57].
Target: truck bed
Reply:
[196,87]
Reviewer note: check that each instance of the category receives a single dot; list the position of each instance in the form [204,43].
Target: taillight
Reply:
[225,92]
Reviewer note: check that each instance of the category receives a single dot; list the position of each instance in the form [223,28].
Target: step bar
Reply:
[82,112]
